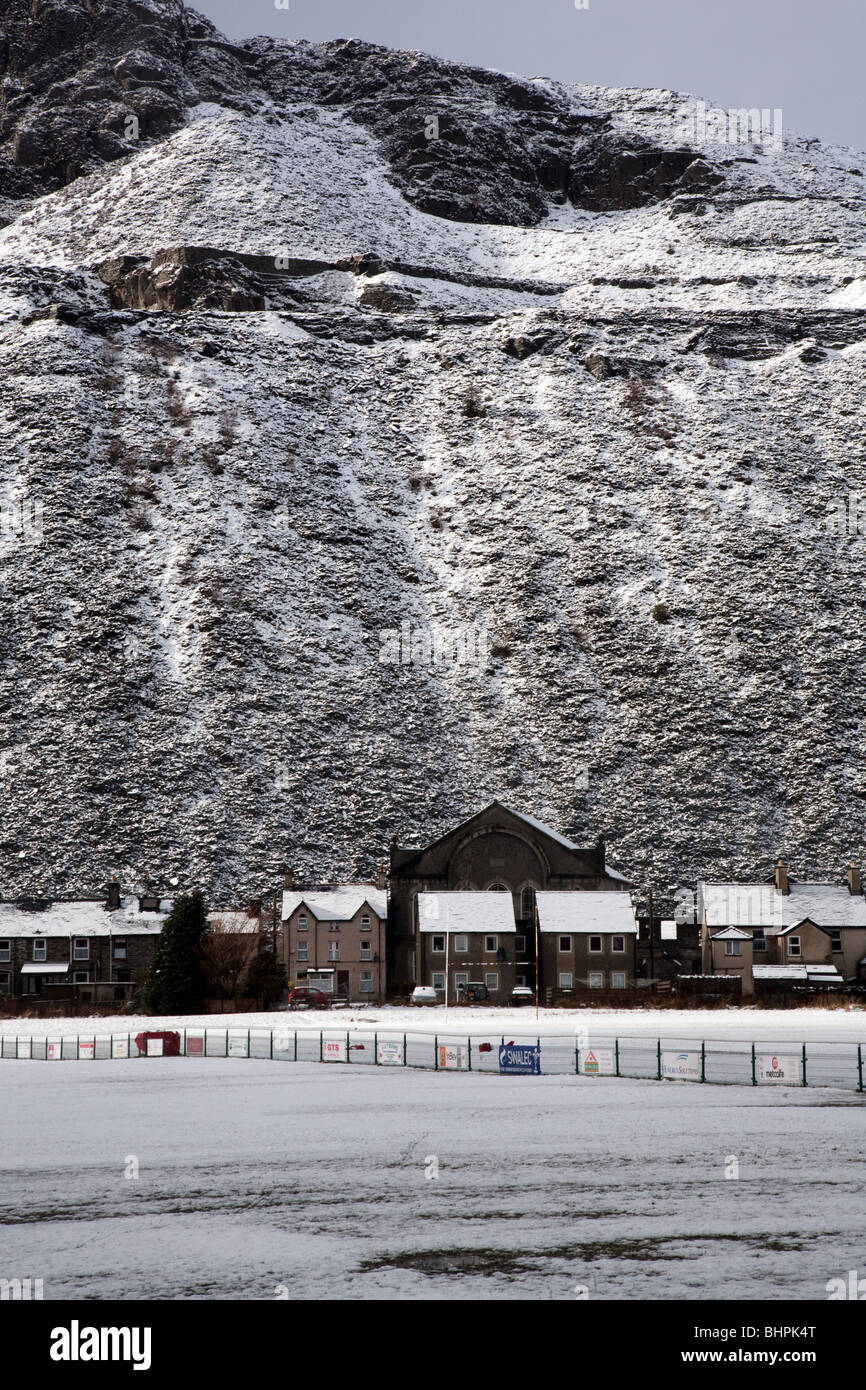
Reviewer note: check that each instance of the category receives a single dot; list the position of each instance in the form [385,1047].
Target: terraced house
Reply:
[86,950]
[785,935]
[333,939]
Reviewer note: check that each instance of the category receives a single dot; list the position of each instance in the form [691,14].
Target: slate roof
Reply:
[761,905]
[574,911]
[339,903]
[466,912]
[81,917]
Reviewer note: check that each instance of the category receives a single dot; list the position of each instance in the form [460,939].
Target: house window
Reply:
[596,979]
[120,948]
[302,922]
[5,950]
[461,980]
[438,979]
[333,926]
[491,979]
[497,888]
[333,950]
[520,943]
[565,944]
[793,946]
[148,904]
[303,950]
[759,941]
[366,985]
[439,943]
[595,943]
[836,940]
[527,903]
[123,977]
[617,979]
[366,950]
[80,977]
[491,943]
[40,950]
[733,948]
[80,948]
[461,943]
[4,983]
[365,922]
[617,943]
[565,979]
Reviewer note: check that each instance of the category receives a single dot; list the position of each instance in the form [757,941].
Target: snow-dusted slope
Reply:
[212,511]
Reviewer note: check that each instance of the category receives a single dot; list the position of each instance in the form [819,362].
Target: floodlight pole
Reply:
[537,963]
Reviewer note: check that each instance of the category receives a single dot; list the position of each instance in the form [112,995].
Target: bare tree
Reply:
[227,950]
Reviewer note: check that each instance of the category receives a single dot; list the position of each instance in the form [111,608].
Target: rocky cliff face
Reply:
[381,435]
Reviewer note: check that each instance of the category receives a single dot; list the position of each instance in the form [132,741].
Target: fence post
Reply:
[703,1059]
[404,1049]
[805,1082]
[616,1054]
[435,1051]
[226,1053]
[248,1041]
[659,1058]
[469,1053]
[272,1044]
[577,1058]
[375,1049]
[348,1047]
[754,1072]
[295,1058]
[184,1042]
[859,1066]
[321,1046]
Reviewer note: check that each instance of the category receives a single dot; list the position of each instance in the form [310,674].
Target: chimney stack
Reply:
[380,877]
[854,885]
[288,878]
[113,896]
[782,877]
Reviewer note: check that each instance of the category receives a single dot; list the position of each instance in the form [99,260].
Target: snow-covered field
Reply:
[313,1182]
[773,1025]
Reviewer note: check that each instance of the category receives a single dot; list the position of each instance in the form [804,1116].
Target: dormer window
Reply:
[149,904]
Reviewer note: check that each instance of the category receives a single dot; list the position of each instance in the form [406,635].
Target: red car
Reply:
[303,998]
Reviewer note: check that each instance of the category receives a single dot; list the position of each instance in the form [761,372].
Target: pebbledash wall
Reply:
[839,1065]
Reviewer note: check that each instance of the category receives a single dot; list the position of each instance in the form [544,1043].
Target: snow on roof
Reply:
[731,934]
[574,911]
[540,825]
[761,905]
[466,912]
[81,917]
[796,972]
[233,920]
[338,904]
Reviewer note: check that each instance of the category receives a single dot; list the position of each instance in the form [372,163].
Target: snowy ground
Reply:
[313,1178]
[773,1025]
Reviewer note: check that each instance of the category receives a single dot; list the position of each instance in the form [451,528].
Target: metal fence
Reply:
[729,1062]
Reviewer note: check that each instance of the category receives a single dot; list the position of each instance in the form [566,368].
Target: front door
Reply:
[343,984]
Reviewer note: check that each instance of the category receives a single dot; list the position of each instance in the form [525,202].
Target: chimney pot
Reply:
[782,885]
[380,877]
[854,882]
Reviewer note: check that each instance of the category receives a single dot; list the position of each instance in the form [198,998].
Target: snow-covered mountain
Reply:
[306,344]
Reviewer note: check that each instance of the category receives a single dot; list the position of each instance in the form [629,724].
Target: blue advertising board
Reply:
[519,1060]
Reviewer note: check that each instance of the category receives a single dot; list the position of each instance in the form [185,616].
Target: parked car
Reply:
[474,994]
[424,994]
[304,998]
[522,994]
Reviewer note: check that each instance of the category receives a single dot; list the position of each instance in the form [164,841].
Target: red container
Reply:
[170,1043]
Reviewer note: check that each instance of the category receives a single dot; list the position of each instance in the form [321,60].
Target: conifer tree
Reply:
[174,983]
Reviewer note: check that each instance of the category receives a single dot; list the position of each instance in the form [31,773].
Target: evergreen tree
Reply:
[174,983]
[266,978]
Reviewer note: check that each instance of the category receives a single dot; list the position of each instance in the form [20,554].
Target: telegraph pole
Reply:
[651,939]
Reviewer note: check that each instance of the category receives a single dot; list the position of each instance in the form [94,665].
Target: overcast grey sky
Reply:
[805,56]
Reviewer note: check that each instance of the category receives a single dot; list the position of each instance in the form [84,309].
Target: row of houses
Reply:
[501,900]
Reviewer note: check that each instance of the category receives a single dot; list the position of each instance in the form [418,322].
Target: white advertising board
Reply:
[597,1061]
[681,1066]
[453,1057]
[389,1054]
[334,1050]
[771,1067]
